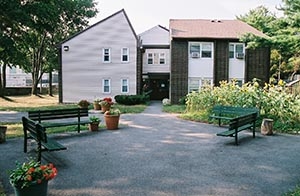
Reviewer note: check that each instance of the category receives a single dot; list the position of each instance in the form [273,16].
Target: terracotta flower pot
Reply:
[112,121]
[105,108]
[97,106]
[94,126]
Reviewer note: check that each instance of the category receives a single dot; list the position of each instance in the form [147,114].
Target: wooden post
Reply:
[267,126]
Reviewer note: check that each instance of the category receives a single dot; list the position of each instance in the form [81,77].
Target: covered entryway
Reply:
[158,85]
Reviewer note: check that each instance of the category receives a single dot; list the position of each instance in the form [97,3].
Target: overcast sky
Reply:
[145,14]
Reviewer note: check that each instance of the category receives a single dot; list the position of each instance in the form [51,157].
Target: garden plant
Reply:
[273,101]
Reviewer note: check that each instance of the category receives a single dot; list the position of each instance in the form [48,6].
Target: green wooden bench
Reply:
[240,123]
[221,112]
[47,117]
[34,130]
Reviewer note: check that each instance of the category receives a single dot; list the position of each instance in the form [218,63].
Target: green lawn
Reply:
[16,129]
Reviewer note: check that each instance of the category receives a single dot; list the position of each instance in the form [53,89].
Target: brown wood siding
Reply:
[139,70]
[258,64]
[179,70]
[221,63]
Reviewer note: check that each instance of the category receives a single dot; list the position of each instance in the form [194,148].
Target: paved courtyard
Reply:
[158,154]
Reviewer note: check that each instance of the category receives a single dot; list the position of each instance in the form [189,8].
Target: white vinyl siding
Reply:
[163,65]
[125,54]
[106,55]
[106,86]
[83,69]
[124,86]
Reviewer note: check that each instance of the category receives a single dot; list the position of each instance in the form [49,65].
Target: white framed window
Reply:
[206,50]
[195,84]
[201,49]
[125,54]
[231,51]
[106,86]
[162,58]
[149,58]
[238,82]
[124,85]
[156,58]
[236,50]
[106,55]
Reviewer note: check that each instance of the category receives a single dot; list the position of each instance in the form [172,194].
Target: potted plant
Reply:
[83,103]
[94,123]
[31,178]
[112,118]
[97,105]
[106,103]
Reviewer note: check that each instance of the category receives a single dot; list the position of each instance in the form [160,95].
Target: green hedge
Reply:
[132,99]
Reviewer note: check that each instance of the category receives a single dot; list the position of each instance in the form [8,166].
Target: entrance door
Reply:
[160,89]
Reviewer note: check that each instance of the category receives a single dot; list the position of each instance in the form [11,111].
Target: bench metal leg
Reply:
[39,151]
[253,130]
[25,144]
[236,137]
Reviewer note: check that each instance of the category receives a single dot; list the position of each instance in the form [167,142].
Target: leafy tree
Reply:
[284,36]
[32,28]
[260,18]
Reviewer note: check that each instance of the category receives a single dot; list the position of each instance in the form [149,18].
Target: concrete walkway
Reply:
[157,154]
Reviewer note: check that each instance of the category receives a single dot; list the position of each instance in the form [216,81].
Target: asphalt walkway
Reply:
[158,154]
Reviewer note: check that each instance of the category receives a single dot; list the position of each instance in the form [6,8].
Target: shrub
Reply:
[132,99]
[274,101]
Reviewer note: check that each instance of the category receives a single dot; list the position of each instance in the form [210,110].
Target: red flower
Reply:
[29,178]
[32,172]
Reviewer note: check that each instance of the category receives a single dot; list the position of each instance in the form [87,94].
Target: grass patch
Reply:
[130,109]
[2,193]
[13,129]
[196,116]
[35,108]
[295,192]
[174,109]
[16,129]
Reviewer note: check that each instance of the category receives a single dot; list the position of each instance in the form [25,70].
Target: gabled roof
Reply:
[154,28]
[219,29]
[156,37]
[107,18]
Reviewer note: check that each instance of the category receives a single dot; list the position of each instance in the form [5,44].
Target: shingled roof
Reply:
[220,29]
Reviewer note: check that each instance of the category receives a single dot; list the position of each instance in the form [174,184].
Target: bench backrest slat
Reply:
[231,110]
[242,120]
[57,114]
[34,128]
